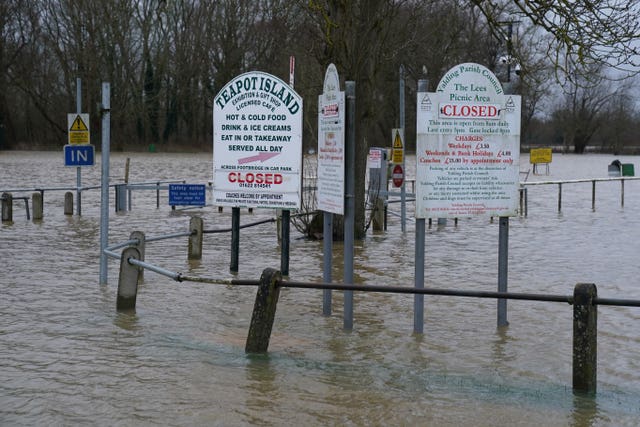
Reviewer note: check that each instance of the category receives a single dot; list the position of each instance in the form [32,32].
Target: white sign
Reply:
[257,143]
[468,146]
[331,125]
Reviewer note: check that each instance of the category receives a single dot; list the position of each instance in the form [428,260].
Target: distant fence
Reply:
[132,265]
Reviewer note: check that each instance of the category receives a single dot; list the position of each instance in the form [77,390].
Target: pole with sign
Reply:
[330,171]
[468,151]
[257,144]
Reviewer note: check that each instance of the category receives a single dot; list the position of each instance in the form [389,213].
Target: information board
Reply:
[331,124]
[468,146]
[257,143]
[187,195]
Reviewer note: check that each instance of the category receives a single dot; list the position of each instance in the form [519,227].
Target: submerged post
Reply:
[585,338]
[235,239]
[38,207]
[68,203]
[285,242]
[7,207]
[264,312]
[503,268]
[128,280]
[141,245]
[195,239]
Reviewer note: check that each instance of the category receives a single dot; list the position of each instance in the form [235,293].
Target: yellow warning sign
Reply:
[397,153]
[397,141]
[78,125]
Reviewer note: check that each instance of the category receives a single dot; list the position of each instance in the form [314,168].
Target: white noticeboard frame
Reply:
[331,154]
[468,147]
[257,143]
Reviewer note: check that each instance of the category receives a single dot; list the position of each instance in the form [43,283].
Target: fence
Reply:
[37,197]
[584,298]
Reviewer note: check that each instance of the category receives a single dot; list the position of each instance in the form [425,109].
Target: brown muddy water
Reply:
[67,357]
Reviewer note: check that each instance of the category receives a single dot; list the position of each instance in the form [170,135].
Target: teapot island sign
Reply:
[468,146]
[257,143]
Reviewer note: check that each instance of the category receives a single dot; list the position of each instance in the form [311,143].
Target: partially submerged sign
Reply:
[540,155]
[187,195]
[257,143]
[331,125]
[468,146]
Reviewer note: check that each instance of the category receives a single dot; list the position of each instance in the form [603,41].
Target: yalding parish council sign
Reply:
[468,147]
[257,143]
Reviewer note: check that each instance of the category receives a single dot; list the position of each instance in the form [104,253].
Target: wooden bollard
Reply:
[68,203]
[38,206]
[264,312]
[585,338]
[195,239]
[140,237]
[7,207]
[128,280]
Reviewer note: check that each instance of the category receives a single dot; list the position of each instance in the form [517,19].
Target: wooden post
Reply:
[195,239]
[38,206]
[68,203]
[7,207]
[585,338]
[140,237]
[128,280]
[264,312]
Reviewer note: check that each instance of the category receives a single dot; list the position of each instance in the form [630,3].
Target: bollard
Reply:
[38,207]
[140,237]
[585,334]
[128,280]
[121,197]
[68,203]
[7,207]
[195,239]
[264,312]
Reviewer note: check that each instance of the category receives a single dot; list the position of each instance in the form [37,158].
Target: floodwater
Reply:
[67,357]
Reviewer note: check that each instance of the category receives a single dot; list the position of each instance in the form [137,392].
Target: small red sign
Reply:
[397,175]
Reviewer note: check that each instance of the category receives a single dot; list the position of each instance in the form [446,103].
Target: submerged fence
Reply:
[132,265]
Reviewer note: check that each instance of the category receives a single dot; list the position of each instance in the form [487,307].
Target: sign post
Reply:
[330,172]
[468,151]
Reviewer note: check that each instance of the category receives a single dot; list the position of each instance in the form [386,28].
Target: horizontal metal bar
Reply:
[573,181]
[122,245]
[171,274]
[617,302]
[430,291]
[251,224]
[168,236]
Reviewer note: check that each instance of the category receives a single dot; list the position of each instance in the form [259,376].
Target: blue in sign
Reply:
[186,195]
[79,155]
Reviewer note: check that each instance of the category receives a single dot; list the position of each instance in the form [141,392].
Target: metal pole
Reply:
[503,255]
[79,169]
[327,261]
[418,300]
[593,196]
[284,244]
[349,211]
[622,193]
[104,199]
[235,239]
[559,197]
[403,190]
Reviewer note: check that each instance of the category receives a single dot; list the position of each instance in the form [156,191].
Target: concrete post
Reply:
[585,338]
[140,237]
[128,280]
[264,312]
[7,207]
[68,203]
[38,206]
[195,239]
